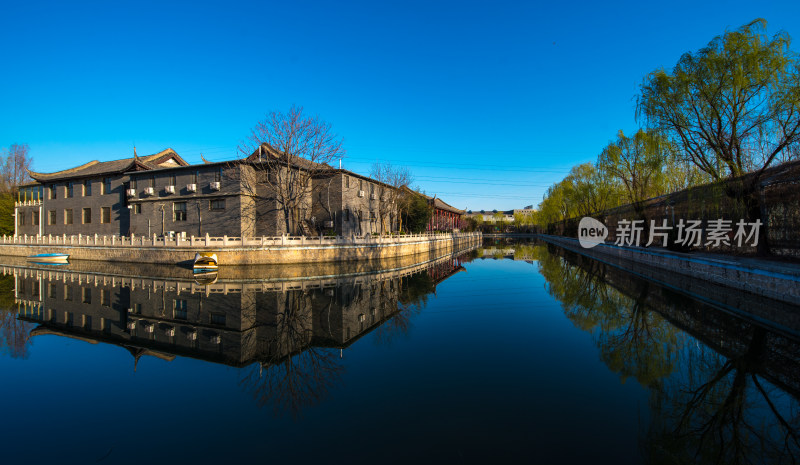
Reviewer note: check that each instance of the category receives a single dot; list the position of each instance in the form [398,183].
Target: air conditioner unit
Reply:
[131,192]
[373,196]
[214,185]
[149,191]
[169,189]
[191,187]
[329,224]
[361,193]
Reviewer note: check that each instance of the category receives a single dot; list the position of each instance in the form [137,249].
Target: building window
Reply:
[153,182]
[86,295]
[218,175]
[360,215]
[51,290]
[67,292]
[179,211]
[35,216]
[173,181]
[87,215]
[105,297]
[346,214]
[53,192]
[361,184]
[68,216]
[51,217]
[105,215]
[106,186]
[137,208]
[195,175]
[347,182]
[21,218]
[133,183]
[179,308]
[87,188]
[218,204]
[218,319]
[70,190]
[372,188]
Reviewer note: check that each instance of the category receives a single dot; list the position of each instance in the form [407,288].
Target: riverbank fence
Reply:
[77,240]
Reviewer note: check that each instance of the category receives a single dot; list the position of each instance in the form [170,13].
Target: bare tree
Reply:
[287,151]
[397,178]
[14,169]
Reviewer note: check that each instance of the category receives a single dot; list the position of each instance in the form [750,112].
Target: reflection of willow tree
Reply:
[706,407]
[719,410]
[633,340]
[14,333]
[293,375]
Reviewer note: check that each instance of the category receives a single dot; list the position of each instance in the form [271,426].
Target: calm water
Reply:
[513,351]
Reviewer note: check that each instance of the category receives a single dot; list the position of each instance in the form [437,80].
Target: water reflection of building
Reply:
[231,322]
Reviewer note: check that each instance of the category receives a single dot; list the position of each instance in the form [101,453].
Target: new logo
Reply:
[591,232]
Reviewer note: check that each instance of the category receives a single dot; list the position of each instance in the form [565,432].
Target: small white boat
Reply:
[204,262]
[49,258]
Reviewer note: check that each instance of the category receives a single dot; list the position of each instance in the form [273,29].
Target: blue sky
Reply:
[487,103]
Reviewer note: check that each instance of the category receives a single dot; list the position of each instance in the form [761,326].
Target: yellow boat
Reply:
[205,261]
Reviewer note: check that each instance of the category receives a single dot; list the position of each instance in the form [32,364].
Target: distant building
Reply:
[493,216]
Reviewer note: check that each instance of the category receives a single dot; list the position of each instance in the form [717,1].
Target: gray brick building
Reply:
[162,194]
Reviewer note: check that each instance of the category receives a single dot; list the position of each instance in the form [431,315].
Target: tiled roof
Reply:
[266,150]
[97,168]
[441,204]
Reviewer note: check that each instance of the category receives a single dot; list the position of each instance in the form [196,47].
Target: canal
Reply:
[513,351]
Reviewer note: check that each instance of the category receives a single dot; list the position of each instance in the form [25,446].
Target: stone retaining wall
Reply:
[382,248]
[774,282]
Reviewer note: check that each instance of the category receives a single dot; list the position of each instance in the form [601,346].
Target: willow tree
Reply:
[588,190]
[637,163]
[732,107]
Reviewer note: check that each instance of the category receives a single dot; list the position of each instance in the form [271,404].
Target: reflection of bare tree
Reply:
[400,313]
[723,412]
[293,375]
[14,333]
